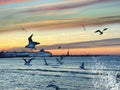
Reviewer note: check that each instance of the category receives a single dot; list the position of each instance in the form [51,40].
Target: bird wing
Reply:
[45,61]
[50,85]
[36,43]
[30,60]
[25,60]
[61,57]
[59,61]
[105,29]
[97,31]
[30,38]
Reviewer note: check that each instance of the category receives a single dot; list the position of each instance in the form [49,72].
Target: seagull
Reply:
[82,66]
[118,78]
[27,62]
[59,62]
[31,43]
[101,32]
[51,84]
[45,62]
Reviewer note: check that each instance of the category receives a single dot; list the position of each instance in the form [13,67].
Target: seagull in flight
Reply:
[82,66]
[51,84]
[27,62]
[59,62]
[31,43]
[45,62]
[101,32]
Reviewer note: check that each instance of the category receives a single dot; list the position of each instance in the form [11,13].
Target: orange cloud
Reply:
[12,1]
[88,51]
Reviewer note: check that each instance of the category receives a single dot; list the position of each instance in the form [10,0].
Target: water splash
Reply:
[106,80]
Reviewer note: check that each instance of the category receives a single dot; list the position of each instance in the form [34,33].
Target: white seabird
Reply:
[31,43]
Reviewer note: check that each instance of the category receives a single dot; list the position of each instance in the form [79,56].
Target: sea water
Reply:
[99,73]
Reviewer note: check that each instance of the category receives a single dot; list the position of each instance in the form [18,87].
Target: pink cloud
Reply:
[12,1]
[69,5]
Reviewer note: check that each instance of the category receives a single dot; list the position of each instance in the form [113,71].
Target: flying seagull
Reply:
[51,84]
[82,66]
[27,62]
[101,32]
[31,43]
[45,62]
[59,62]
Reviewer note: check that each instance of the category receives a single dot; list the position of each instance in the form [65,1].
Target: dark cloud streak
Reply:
[87,44]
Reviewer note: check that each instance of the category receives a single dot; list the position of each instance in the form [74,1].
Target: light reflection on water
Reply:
[99,73]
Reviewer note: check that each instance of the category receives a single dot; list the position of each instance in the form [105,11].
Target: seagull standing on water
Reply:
[27,62]
[101,32]
[31,43]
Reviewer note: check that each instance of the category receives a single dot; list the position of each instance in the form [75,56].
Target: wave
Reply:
[72,71]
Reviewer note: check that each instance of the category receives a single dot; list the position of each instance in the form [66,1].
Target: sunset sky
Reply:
[66,23]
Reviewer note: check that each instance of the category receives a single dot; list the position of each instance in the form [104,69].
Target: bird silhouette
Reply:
[101,32]
[45,62]
[31,43]
[82,66]
[51,84]
[58,61]
[27,62]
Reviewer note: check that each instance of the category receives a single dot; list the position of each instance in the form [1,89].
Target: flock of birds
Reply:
[28,62]
[32,44]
